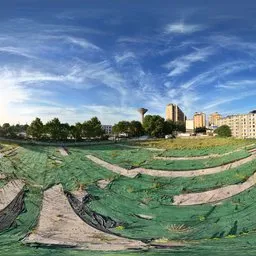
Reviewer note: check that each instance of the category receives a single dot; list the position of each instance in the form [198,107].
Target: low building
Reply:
[241,125]
[190,125]
[107,129]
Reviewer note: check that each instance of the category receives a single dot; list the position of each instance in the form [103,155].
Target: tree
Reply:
[36,129]
[224,131]
[76,131]
[136,129]
[6,129]
[121,127]
[53,128]
[169,127]
[64,131]
[200,130]
[154,125]
[180,126]
[93,128]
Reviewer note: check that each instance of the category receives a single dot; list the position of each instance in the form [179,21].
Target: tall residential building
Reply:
[174,113]
[213,119]
[199,120]
[242,125]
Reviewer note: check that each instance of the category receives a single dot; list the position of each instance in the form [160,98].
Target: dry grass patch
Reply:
[194,143]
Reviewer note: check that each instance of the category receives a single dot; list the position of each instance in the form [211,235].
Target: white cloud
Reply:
[239,84]
[215,73]
[220,101]
[182,28]
[125,57]
[82,43]
[127,39]
[183,63]
[16,51]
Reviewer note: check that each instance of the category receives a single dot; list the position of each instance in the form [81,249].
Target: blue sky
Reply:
[77,59]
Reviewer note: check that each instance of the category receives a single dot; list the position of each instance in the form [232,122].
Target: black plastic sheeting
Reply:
[11,212]
[92,218]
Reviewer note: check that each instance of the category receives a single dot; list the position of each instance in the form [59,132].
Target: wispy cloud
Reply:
[182,28]
[124,57]
[135,40]
[224,100]
[183,63]
[215,73]
[16,51]
[237,85]
[82,43]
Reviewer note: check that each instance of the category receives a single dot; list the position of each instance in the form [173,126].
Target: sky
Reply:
[83,58]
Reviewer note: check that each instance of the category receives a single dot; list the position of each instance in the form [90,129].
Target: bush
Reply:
[224,131]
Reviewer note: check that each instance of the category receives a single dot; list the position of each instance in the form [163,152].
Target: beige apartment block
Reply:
[174,113]
[213,119]
[199,120]
[242,125]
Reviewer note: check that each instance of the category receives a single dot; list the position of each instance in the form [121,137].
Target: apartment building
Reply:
[213,119]
[242,125]
[174,113]
[199,120]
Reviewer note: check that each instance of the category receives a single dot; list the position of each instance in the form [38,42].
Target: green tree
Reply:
[76,131]
[36,129]
[53,128]
[93,128]
[64,131]
[200,130]
[169,127]
[121,127]
[136,129]
[154,125]
[180,126]
[6,129]
[224,131]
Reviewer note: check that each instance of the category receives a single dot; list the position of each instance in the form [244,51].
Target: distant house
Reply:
[107,129]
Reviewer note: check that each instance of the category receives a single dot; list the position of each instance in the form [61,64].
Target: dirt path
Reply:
[63,151]
[11,203]
[6,153]
[59,225]
[9,192]
[161,173]
[112,167]
[214,195]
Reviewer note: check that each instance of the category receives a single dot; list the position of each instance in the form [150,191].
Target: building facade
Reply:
[189,125]
[199,120]
[213,119]
[174,113]
[242,126]
[107,128]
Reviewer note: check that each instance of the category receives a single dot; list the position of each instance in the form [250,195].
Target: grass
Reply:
[224,228]
[133,158]
[195,164]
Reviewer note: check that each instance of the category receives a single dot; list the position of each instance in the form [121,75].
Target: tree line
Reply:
[153,125]
[54,130]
